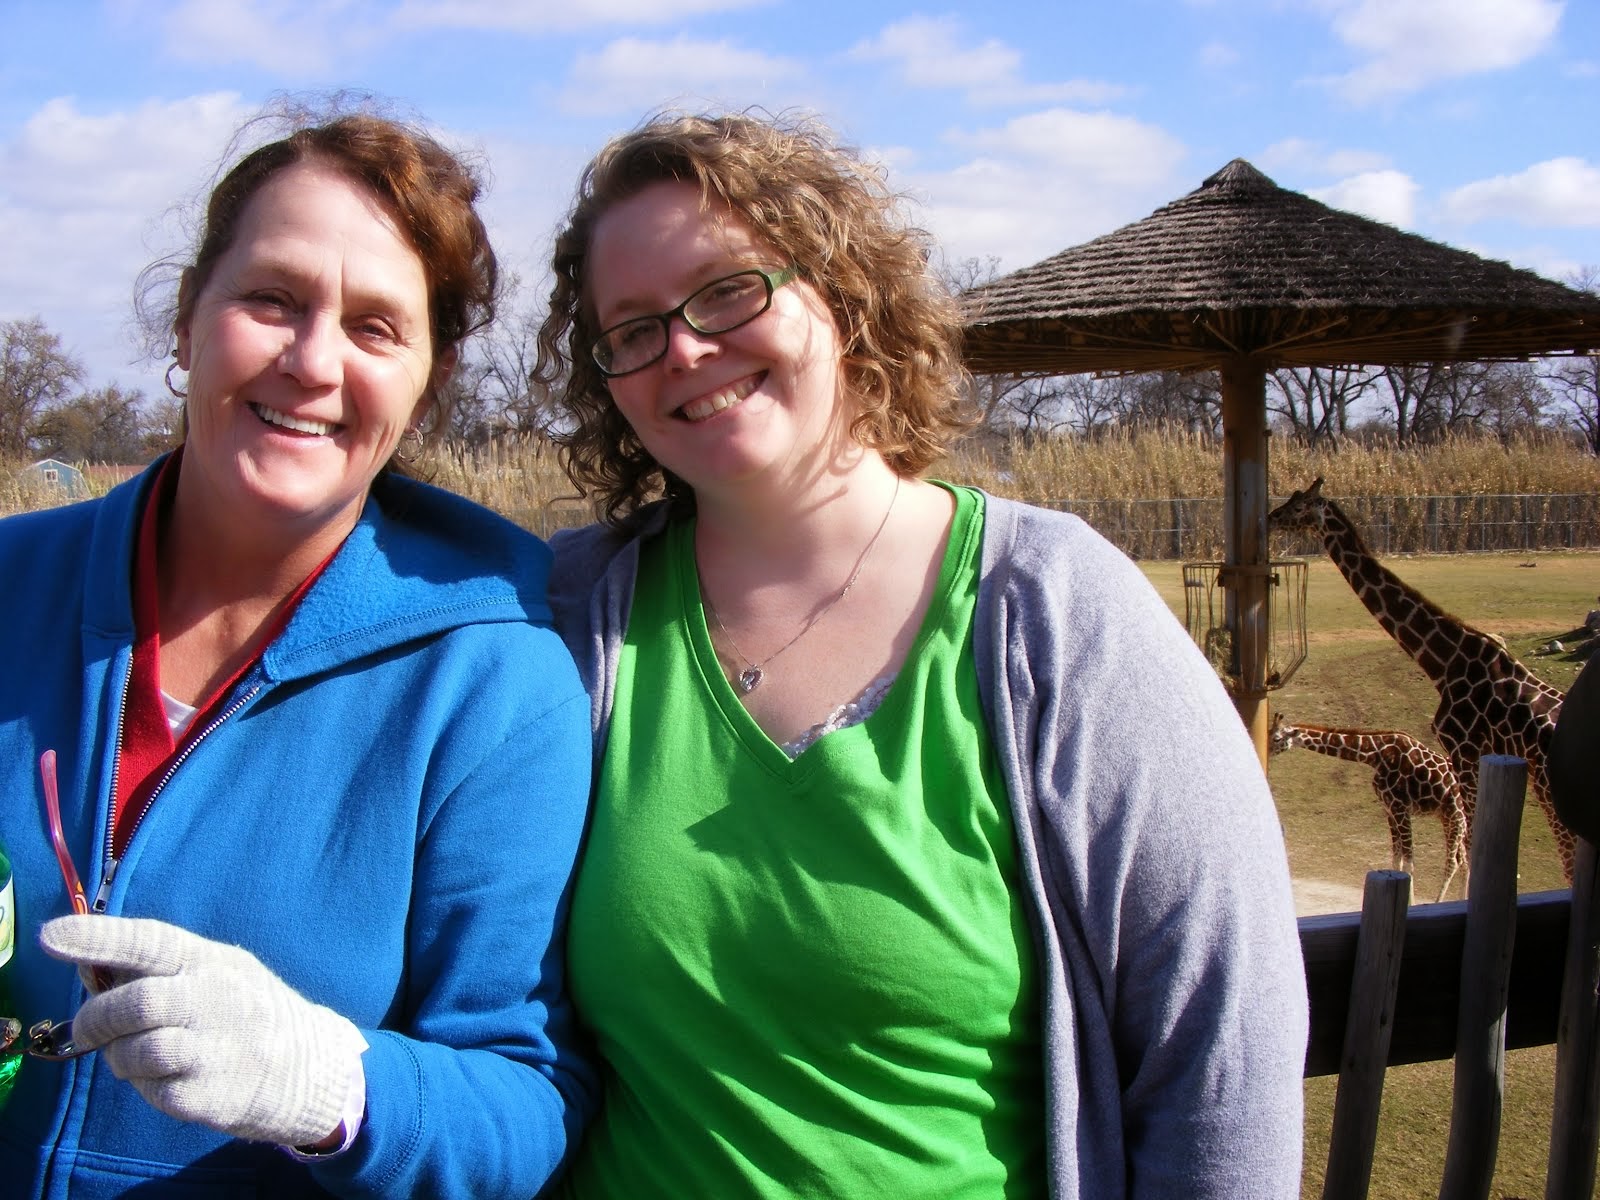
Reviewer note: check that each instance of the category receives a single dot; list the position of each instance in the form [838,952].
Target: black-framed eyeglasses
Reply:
[722,305]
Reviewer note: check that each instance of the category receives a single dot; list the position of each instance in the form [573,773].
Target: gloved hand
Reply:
[208,1034]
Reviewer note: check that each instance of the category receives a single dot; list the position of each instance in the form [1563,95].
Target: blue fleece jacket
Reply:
[386,815]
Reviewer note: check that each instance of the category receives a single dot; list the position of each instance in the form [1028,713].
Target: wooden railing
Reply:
[1466,980]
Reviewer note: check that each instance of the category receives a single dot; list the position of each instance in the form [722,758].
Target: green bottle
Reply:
[11,1055]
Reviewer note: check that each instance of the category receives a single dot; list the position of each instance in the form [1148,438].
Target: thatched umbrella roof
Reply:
[1243,277]
[1243,267]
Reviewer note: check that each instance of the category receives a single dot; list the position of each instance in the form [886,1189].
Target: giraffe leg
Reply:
[1408,857]
[1566,840]
[1400,846]
[1467,780]
[1455,848]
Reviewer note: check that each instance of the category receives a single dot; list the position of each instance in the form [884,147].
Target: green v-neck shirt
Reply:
[808,977]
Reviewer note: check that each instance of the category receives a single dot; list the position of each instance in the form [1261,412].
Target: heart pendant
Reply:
[749,680]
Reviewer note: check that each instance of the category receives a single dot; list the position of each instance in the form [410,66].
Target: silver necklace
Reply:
[750,678]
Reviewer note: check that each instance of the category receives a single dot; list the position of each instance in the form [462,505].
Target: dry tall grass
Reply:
[21,491]
[523,479]
[1151,466]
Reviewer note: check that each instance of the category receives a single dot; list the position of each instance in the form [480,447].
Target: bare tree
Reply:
[492,392]
[164,427]
[506,354]
[1574,382]
[1574,385]
[36,374]
[1510,399]
[473,415]
[1031,402]
[1463,396]
[1186,400]
[1316,400]
[102,426]
[1095,403]
[1411,393]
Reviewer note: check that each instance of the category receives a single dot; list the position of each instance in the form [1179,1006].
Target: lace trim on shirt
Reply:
[851,712]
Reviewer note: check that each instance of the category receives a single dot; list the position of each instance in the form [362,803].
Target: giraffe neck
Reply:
[1353,745]
[1431,636]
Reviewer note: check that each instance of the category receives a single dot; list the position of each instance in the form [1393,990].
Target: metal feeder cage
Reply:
[1208,614]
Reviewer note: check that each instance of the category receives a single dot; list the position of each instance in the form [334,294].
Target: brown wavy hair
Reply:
[823,210]
[431,192]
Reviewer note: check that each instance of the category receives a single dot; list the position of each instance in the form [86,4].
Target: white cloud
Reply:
[1072,91]
[1218,56]
[538,16]
[1046,181]
[1116,150]
[632,75]
[1410,44]
[937,52]
[1388,196]
[1560,192]
[1544,259]
[88,200]
[932,52]
[298,41]
[1303,156]
[120,169]
[291,40]
[529,192]
[893,159]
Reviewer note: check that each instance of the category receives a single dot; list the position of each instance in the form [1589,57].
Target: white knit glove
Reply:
[208,1034]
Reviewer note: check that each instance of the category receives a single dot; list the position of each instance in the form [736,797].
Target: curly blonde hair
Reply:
[823,210]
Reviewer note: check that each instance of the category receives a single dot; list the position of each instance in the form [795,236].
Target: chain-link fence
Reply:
[1191,528]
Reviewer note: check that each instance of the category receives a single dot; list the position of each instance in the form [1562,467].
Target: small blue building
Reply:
[53,472]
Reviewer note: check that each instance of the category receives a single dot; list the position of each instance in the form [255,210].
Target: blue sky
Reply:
[1017,128]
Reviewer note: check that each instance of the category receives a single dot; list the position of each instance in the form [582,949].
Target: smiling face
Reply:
[308,353]
[761,401]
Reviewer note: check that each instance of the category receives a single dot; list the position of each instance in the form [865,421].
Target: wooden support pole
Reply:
[1244,520]
[1380,946]
[1485,980]
[1575,1129]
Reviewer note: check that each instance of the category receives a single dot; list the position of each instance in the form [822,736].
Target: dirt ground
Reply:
[1315,896]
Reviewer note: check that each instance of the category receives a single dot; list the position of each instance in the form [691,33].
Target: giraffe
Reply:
[1409,778]
[1489,703]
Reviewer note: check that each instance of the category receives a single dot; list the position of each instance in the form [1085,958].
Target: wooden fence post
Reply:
[1485,979]
[1380,943]
[1575,1129]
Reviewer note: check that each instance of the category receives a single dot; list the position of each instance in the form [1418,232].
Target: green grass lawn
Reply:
[1356,676]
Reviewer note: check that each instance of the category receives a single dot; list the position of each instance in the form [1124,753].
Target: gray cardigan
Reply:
[1175,1002]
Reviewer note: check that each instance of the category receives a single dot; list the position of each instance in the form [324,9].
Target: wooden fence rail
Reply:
[1466,980]
[1425,1008]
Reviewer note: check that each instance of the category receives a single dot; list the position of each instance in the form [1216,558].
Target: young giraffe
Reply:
[1489,703]
[1410,779]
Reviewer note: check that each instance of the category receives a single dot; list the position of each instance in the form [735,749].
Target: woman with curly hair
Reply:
[882,894]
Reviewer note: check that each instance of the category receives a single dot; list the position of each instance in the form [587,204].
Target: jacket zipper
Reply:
[103,894]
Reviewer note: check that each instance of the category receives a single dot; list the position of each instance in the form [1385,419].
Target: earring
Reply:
[410,447]
[171,367]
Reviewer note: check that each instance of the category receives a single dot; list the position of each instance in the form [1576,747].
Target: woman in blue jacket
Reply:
[320,757]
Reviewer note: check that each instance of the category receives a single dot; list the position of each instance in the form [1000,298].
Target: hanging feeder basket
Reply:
[1208,602]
